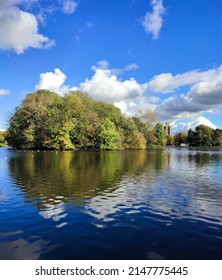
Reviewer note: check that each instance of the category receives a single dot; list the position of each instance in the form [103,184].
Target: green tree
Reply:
[204,135]
[108,136]
[169,139]
[151,139]
[46,120]
[192,138]
[3,141]
[180,137]
[142,127]
[25,124]
[108,111]
[138,141]
[159,133]
[128,132]
[217,137]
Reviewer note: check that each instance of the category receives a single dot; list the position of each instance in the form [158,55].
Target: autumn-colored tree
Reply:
[180,137]
[3,141]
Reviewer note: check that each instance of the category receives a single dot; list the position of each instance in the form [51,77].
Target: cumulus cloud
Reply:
[186,124]
[22,29]
[122,105]
[153,21]
[54,81]
[131,107]
[205,95]
[104,85]
[23,26]
[4,91]
[166,82]
[9,3]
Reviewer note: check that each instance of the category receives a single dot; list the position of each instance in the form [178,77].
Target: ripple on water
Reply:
[141,205]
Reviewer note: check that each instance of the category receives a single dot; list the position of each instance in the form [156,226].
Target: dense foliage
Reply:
[46,120]
[204,136]
[201,136]
[180,138]
[2,139]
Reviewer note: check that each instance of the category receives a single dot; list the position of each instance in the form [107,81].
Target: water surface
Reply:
[111,205]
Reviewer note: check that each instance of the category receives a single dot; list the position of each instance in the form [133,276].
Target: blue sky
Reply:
[161,55]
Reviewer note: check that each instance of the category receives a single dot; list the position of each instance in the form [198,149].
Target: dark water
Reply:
[111,205]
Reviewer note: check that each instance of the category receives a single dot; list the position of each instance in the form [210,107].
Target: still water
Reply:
[111,205]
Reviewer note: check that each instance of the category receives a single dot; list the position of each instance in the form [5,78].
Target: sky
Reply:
[159,55]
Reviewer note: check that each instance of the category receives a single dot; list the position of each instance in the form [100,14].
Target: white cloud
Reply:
[22,30]
[51,81]
[166,82]
[205,95]
[104,85]
[54,81]
[69,7]
[102,64]
[4,91]
[152,22]
[131,107]
[127,107]
[122,105]
[10,3]
[130,67]
[22,26]
[186,124]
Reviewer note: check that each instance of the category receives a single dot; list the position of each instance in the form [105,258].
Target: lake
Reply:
[111,205]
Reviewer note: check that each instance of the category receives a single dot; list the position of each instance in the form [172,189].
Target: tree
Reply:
[139,142]
[192,138]
[3,141]
[108,111]
[159,133]
[180,137]
[151,139]
[204,135]
[217,137]
[85,133]
[108,136]
[148,117]
[141,126]
[25,125]
[169,139]
[45,120]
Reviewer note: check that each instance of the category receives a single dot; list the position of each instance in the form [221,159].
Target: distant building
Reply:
[168,129]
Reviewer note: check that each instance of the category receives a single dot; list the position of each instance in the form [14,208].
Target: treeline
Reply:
[46,120]
[201,136]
